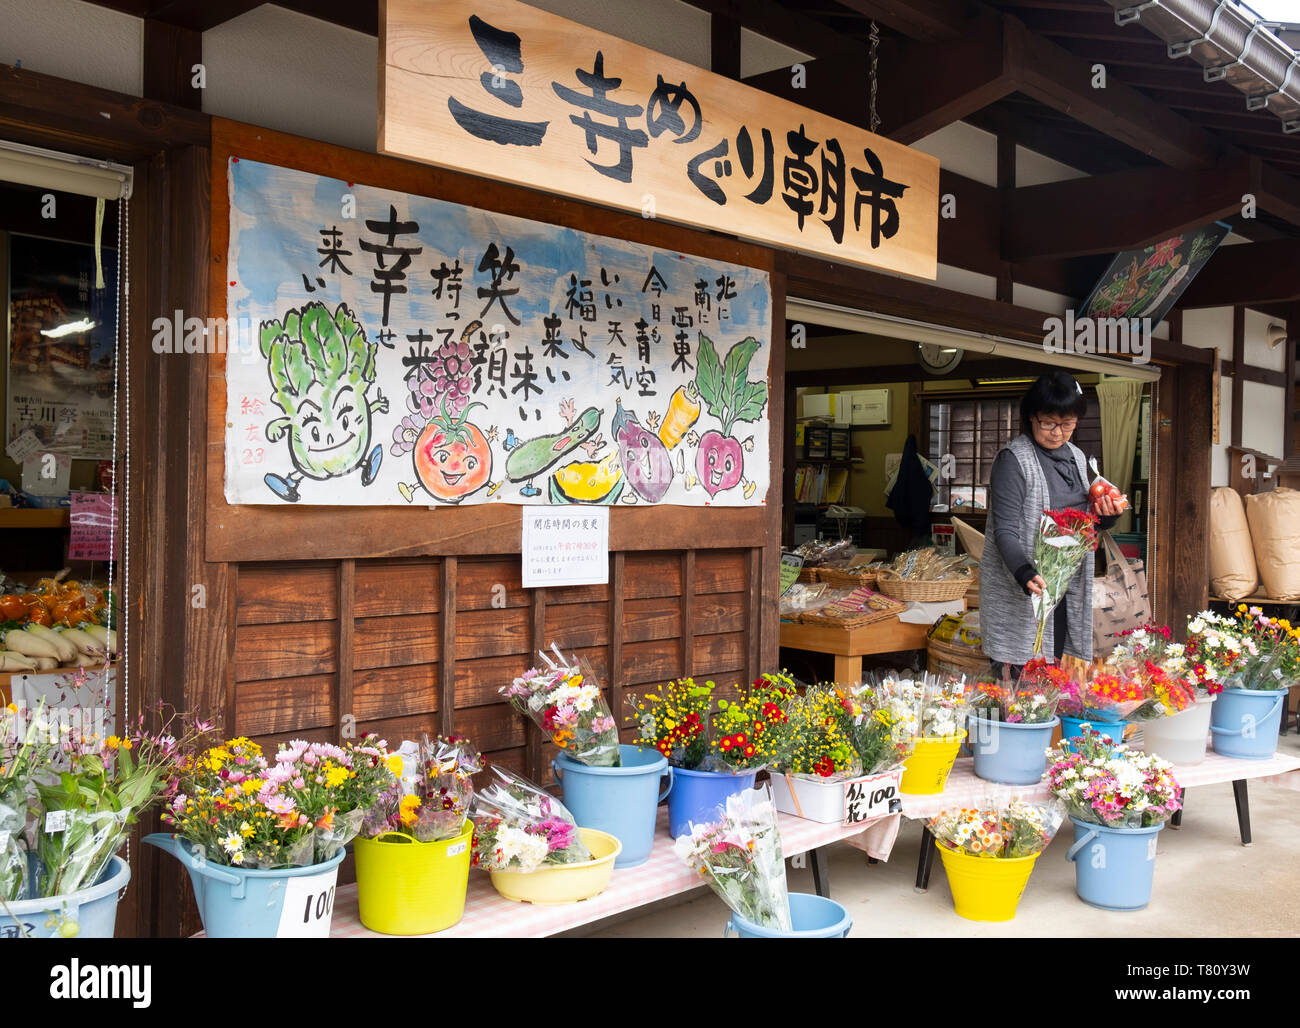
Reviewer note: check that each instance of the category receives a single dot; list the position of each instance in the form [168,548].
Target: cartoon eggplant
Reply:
[644,456]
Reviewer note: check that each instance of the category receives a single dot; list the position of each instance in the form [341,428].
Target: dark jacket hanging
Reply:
[912,492]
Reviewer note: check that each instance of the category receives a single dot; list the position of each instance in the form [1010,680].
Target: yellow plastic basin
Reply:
[564,883]
[412,888]
[986,888]
[925,772]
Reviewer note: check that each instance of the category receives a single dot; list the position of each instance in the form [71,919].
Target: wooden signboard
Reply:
[507,91]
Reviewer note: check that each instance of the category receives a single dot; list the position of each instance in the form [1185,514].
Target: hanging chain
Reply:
[121,487]
[875,60]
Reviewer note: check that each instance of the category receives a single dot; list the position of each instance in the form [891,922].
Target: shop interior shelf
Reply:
[33,517]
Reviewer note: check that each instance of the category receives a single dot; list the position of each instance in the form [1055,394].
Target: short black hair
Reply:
[1058,393]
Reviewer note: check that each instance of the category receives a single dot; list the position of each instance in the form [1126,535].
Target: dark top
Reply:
[1007,497]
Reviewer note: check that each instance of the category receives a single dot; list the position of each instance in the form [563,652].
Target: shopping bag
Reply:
[1119,599]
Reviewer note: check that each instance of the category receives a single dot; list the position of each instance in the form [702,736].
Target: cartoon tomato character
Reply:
[452,457]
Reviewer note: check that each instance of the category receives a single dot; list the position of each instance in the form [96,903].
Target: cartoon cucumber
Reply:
[531,458]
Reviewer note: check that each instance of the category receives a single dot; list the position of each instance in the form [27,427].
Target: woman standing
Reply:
[1038,470]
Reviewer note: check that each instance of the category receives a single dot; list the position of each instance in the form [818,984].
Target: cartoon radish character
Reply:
[452,457]
[729,397]
[644,456]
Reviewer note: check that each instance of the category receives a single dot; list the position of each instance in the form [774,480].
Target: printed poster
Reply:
[397,350]
[61,339]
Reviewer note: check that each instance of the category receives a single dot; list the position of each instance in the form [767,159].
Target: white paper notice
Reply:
[566,545]
[23,447]
[46,474]
[308,906]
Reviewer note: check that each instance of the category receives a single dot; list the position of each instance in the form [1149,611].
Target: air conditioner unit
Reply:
[870,407]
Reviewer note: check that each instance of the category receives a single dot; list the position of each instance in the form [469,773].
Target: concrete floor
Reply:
[1206,884]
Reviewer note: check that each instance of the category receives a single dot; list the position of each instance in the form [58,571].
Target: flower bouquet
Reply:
[25,747]
[1010,831]
[884,727]
[1105,697]
[519,827]
[942,700]
[1063,540]
[1218,651]
[813,738]
[565,700]
[1164,694]
[1032,701]
[431,797]
[1276,661]
[240,810]
[102,787]
[699,731]
[1105,784]
[739,855]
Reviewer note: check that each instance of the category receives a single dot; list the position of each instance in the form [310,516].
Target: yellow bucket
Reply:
[986,888]
[412,888]
[925,772]
[564,883]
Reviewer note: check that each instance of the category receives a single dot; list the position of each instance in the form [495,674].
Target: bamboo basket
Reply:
[847,579]
[942,657]
[889,583]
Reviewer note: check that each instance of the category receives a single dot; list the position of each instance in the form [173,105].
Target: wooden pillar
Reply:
[724,46]
[171,54]
[1291,429]
[1238,370]
[1006,196]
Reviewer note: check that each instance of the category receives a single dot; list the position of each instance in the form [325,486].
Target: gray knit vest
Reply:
[1006,612]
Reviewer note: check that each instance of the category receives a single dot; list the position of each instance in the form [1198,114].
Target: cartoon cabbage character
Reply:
[321,369]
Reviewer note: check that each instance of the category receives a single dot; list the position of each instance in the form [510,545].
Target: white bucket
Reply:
[1182,738]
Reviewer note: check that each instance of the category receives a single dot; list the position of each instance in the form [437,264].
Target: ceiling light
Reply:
[71,328]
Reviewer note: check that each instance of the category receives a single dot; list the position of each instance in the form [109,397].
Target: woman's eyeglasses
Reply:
[1054,427]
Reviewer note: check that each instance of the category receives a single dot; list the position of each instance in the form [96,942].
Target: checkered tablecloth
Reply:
[965,790]
[490,915]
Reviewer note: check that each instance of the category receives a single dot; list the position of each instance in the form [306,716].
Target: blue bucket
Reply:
[1013,754]
[236,903]
[696,796]
[92,911]
[618,800]
[1113,867]
[1070,727]
[1245,722]
[812,917]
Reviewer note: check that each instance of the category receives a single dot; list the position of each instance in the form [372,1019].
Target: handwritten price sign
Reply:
[866,799]
[91,518]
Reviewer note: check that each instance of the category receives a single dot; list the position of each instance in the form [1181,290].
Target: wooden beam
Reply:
[1006,199]
[1058,78]
[1108,213]
[881,374]
[770,19]
[43,110]
[197,15]
[1098,156]
[930,20]
[914,101]
[724,45]
[1291,429]
[1279,193]
[170,54]
[1248,274]
[1253,373]
[1239,362]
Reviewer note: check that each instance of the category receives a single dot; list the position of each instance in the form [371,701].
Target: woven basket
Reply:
[944,658]
[807,575]
[847,579]
[889,583]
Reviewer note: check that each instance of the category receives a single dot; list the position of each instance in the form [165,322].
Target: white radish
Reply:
[107,637]
[29,645]
[87,644]
[10,661]
[46,663]
[66,651]
[86,660]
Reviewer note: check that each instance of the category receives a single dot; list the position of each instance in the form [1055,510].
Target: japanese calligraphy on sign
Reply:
[504,90]
[423,352]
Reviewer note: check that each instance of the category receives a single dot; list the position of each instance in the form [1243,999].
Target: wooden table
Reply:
[849,645]
[490,915]
[964,789]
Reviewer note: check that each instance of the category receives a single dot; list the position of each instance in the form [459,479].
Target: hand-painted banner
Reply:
[388,349]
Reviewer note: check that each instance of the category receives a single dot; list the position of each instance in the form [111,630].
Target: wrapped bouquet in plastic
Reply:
[520,827]
[1063,539]
[740,856]
[1008,830]
[1105,784]
[432,796]
[885,726]
[565,701]
[1030,701]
